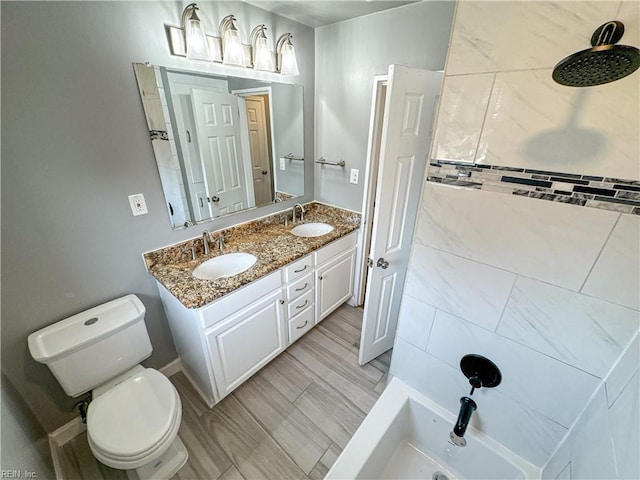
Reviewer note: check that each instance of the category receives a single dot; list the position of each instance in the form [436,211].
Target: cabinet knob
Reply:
[281,302]
[320,277]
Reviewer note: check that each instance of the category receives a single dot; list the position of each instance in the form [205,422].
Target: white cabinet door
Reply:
[247,341]
[334,284]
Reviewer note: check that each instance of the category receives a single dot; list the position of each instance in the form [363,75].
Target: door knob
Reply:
[264,172]
[382,263]
[215,199]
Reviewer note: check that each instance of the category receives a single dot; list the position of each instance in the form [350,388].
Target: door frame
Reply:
[378,96]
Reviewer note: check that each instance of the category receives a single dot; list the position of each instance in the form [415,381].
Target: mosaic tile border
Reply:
[605,193]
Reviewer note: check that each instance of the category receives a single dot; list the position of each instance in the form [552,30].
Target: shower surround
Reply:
[549,290]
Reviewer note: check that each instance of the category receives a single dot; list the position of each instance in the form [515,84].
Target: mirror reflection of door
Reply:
[200,163]
[218,130]
[195,181]
[257,111]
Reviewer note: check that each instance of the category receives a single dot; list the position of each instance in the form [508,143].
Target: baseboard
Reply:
[171,368]
[56,453]
[67,432]
[58,438]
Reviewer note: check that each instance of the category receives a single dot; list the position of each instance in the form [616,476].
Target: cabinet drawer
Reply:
[298,268]
[300,287]
[234,301]
[335,248]
[300,325]
[299,304]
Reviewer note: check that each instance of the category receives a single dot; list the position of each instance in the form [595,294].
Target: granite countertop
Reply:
[267,238]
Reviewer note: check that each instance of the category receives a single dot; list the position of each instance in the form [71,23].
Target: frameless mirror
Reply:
[222,144]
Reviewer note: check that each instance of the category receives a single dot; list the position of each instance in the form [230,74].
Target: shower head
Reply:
[605,62]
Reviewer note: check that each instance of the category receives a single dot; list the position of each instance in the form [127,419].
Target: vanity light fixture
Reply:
[261,54]
[286,55]
[192,42]
[197,45]
[232,49]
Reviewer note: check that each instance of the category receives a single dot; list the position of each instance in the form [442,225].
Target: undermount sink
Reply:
[224,266]
[311,229]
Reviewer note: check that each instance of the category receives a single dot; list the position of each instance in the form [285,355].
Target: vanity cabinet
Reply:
[246,341]
[225,342]
[334,273]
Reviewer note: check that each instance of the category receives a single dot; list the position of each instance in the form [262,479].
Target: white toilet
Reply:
[133,419]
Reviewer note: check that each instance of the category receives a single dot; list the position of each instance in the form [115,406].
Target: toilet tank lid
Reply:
[73,333]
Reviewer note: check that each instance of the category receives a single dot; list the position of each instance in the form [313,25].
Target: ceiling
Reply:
[316,13]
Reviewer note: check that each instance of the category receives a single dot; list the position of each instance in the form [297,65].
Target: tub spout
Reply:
[467,407]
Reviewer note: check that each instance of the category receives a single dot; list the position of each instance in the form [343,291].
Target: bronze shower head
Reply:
[605,62]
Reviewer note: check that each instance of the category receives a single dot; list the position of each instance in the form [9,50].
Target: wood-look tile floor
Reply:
[291,420]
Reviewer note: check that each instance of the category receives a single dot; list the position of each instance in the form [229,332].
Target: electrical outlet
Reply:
[355,173]
[138,205]
[283,164]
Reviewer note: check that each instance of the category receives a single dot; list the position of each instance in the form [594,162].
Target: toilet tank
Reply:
[87,349]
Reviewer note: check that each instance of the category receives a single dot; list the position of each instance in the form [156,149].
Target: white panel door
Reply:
[406,135]
[257,111]
[218,132]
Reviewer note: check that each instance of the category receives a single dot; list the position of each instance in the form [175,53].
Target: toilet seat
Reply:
[135,421]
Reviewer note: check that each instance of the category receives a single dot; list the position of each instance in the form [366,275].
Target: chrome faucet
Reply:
[205,241]
[302,212]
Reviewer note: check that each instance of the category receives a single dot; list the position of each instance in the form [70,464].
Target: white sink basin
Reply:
[311,229]
[224,266]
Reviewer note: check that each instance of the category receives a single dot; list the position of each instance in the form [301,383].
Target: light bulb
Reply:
[289,64]
[232,52]
[262,59]
[195,38]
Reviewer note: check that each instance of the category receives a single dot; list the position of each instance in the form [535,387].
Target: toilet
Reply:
[135,412]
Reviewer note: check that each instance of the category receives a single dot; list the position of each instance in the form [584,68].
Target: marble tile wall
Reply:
[605,440]
[546,290]
[500,106]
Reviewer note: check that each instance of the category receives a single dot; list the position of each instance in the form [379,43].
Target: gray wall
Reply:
[25,446]
[74,146]
[348,55]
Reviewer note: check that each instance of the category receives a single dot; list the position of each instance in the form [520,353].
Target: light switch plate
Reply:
[355,173]
[138,205]
[282,164]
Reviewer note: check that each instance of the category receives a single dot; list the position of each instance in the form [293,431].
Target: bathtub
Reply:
[406,435]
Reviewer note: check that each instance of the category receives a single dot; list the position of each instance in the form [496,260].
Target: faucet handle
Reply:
[191,250]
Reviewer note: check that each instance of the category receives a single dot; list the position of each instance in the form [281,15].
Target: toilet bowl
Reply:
[135,412]
[134,425]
